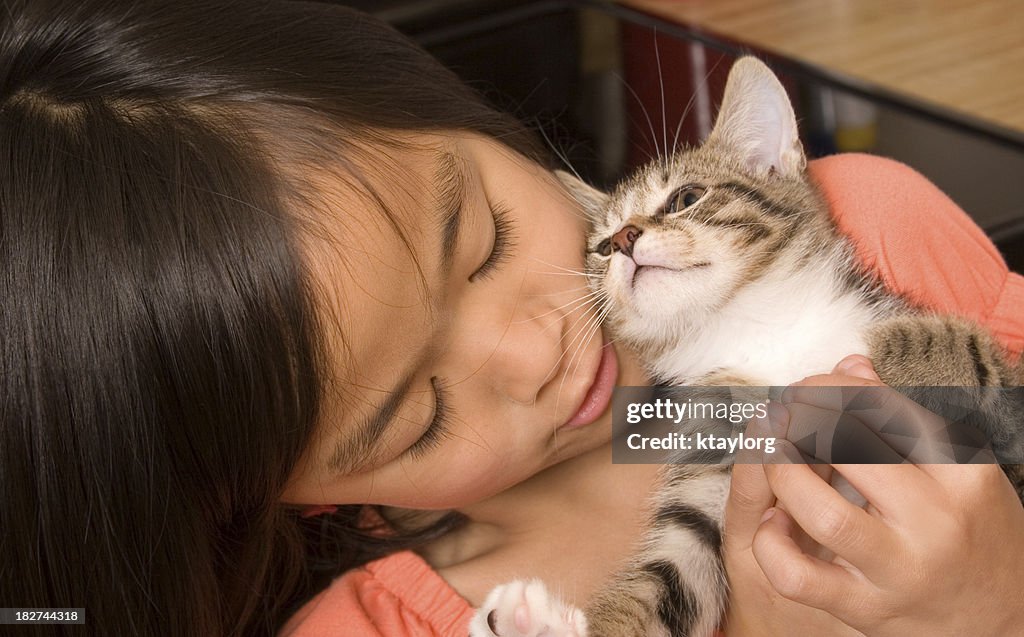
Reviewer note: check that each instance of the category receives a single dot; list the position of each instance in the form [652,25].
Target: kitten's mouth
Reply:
[655,269]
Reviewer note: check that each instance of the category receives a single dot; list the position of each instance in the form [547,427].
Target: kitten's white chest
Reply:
[776,332]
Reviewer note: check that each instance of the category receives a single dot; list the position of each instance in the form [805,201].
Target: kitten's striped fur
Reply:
[744,281]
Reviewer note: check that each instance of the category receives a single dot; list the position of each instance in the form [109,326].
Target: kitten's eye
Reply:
[604,248]
[683,198]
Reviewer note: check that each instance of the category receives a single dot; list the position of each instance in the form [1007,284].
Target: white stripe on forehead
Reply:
[629,204]
[642,199]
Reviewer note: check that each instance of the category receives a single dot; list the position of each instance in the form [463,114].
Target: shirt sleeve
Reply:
[396,596]
[921,244]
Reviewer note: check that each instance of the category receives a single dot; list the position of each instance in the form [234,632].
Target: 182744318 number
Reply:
[42,615]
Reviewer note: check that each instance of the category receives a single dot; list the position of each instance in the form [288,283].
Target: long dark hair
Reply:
[162,360]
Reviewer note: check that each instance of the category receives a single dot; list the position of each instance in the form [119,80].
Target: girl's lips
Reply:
[600,393]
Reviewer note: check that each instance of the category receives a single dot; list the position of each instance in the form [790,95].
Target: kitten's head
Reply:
[672,244]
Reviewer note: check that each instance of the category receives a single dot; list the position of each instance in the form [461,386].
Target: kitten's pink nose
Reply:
[623,240]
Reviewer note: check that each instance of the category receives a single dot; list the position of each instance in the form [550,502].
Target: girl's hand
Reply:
[939,549]
[756,608]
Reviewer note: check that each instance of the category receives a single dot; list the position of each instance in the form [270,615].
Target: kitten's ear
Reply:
[757,121]
[592,199]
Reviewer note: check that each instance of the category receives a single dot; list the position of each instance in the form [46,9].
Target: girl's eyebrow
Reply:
[451,193]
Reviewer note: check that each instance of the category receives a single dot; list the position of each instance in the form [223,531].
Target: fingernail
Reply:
[767,515]
[778,419]
[785,453]
[848,362]
[866,372]
[758,426]
[858,367]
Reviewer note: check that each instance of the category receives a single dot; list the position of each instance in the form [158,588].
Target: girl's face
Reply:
[471,358]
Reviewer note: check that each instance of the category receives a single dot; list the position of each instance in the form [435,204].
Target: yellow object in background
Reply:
[856,123]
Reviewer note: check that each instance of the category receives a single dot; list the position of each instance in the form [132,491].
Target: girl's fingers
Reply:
[749,494]
[897,492]
[801,577]
[858,366]
[837,436]
[825,515]
[844,436]
[903,442]
[851,441]
[749,497]
[865,421]
[858,419]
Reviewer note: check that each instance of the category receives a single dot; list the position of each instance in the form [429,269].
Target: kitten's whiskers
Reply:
[690,103]
[590,327]
[582,287]
[558,267]
[643,109]
[664,115]
[576,303]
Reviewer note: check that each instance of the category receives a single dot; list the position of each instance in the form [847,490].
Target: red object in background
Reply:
[691,78]
[686,76]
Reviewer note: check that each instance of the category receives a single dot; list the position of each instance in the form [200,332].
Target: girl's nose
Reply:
[515,348]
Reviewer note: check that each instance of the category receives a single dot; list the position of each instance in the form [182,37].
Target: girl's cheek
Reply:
[410,489]
[465,488]
[460,485]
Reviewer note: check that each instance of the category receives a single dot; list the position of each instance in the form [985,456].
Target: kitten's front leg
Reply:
[675,585]
[525,608]
[923,350]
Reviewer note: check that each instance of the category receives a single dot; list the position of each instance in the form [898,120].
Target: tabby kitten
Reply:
[721,266]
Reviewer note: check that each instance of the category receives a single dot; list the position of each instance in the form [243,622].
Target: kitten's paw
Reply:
[525,608]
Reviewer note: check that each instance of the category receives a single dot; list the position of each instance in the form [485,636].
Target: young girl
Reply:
[265,256]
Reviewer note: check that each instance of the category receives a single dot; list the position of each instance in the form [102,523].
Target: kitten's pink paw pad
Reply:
[526,609]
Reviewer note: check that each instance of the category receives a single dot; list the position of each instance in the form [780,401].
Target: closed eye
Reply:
[439,426]
[604,248]
[504,243]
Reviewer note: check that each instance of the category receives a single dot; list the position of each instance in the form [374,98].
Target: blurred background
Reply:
[609,85]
